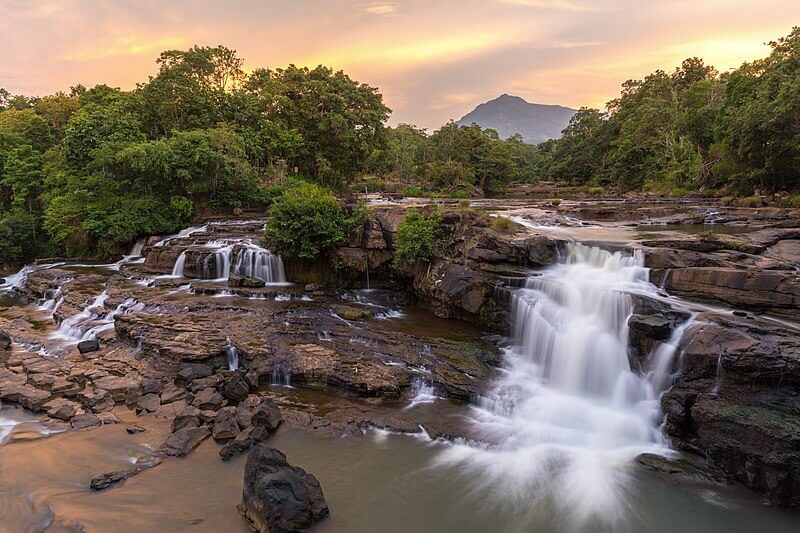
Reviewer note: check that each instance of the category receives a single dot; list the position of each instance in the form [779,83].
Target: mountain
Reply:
[511,114]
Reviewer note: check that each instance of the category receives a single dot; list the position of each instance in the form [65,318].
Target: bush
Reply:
[461,193]
[413,191]
[556,202]
[502,224]
[791,201]
[417,236]
[750,201]
[307,220]
[708,236]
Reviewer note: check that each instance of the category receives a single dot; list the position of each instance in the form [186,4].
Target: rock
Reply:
[183,441]
[191,371]
[655,327]
[108,418]
[252,380]
[5,340]
[185,421]
[235,388]
[225,425]
[85,420]
[245,440]
[88,346]
[103,481]
[208,399]
[267,416]
[98,400]
[245,281]
[134,429]
[121,389]
[278,497]
[206,382]
[148,403]
[244,416]
[27,396]
[171,393]
[61,409]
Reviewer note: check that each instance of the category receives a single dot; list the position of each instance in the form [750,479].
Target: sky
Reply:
[433,60]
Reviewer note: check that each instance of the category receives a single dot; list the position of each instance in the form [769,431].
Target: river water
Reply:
[567,419]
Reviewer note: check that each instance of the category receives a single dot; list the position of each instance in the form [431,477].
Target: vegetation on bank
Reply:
[88,171]
[418,236]
[693,129]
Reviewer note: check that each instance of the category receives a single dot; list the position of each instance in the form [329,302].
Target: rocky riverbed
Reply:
[206,335]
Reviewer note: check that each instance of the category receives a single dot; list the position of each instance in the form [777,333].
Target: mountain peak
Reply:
[509,114]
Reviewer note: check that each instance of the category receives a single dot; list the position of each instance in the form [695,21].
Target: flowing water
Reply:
[569,415]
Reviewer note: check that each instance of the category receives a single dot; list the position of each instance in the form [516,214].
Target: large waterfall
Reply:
[568,415]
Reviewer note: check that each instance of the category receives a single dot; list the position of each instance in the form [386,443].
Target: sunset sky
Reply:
[432,60]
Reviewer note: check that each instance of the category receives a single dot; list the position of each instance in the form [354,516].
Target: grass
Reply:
[502,224]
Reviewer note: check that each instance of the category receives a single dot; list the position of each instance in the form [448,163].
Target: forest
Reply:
[88,171]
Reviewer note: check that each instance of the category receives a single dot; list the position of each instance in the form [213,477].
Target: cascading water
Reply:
[569,416]
[93,320]
[242,259]
[177,270]
[232,357]
[256,262]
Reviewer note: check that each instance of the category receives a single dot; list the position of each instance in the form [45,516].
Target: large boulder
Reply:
[183,441]
[278,497]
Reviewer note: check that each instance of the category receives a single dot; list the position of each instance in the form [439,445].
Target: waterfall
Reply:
[93,319]
[256,262]
[568,414]
[422,391]
[232,357]
[177,270]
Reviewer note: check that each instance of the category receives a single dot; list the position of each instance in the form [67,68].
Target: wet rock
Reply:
[652,326]
[108,418]
[85,420]
[206,382]
[104,481]
[183,441]
[251,378]
[225,425]
[267,415]
[134,429]
[208,399]
[245,281]
[27,396]
[191,371]
[235,388]
[278,497]
[88,346]
[61,409]
[244,416]
[170,410]
[97,400]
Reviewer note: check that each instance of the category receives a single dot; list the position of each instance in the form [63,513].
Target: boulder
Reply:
[245,440]
[225,425]
[185,421]
[267,416]
[5,340]
[208,400]
[88,346]
[235,388]
[655,327]
[148,403]
[278,497]
[183,441]
[191,371]
[85,420]
[122,389]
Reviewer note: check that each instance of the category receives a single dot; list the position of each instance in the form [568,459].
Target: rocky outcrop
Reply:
[738,403]
[278,497]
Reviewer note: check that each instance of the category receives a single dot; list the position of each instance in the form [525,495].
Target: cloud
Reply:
[548,4]
[383,9]
[126,46]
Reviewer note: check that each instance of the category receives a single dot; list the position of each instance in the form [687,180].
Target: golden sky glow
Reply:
[432,60]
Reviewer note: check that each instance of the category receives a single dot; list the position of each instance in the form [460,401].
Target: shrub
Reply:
[556,202]
[413,191]
[417,236]
[707,236]
[751,201]
[307,220]
[461,193]
[791,201]
[502,224]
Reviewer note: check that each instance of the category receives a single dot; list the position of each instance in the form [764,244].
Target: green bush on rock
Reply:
[307,220]
[417,237]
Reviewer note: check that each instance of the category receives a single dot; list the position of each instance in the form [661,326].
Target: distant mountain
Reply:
[511,114]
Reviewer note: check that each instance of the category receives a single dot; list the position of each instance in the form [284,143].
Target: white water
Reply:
[232,357]
[569,416]
[242,258]
[422,391]
[94,319]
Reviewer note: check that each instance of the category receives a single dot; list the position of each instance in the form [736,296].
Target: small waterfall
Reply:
[181,234]
[279,377]
[568,414]
[138,246]
[93,320]
[422,391]
[256,262]
[177,270]
[232,357]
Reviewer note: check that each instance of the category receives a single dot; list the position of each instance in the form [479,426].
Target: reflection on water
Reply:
[375,483]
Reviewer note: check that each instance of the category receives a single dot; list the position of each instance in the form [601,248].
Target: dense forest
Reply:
[88,171]
[693,129]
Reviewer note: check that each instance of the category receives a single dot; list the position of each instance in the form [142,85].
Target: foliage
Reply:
[692,129]
[417,237]
[502,224]
[307,220]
